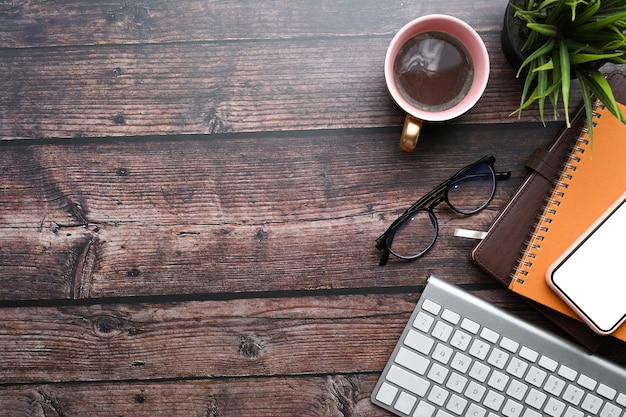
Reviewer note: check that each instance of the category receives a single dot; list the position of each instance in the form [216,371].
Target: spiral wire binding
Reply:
[552,202]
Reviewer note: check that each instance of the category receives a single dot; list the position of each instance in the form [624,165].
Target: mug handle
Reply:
[410,133]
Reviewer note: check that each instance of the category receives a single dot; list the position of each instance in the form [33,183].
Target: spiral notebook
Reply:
[592,179]
[499,253]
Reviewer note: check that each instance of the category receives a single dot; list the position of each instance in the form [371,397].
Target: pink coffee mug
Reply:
[478,56]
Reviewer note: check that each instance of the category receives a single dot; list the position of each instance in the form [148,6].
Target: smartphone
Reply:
[591,275]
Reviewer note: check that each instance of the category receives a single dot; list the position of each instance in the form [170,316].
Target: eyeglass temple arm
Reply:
[384,257]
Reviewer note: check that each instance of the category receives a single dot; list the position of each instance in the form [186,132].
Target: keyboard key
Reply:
[479,349]
[456,404]
[475,392]
[592,404]
[442,353]
[407,380]
[554,385]
[386,393]
[442,331]
[572,412]
[489,335]
[424,409]
[528,354]
[419,342]
[536,399]
[479,371]
[607,392]
[438,396]
[567,373]
[621,399]
[494,400]
[610,410]
[586,382]
[508,344]
[456,382]
[498,380]
[460,340]
[423,322]
[412,360]
[554,407]
[517,367]
[535,376]
[405,403]
[517,390]
[470,326]
[475,411]
[498,358]
[431,307]
[573,394]
[438,373]
[460,362]
[548,363]
[530,413]
[450,316]
[512,409]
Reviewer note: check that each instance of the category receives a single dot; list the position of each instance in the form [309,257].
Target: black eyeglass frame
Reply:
[439,194]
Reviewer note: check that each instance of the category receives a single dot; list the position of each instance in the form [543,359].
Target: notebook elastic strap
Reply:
[545,164]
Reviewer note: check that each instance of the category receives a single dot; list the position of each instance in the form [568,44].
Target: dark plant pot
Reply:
[514,34]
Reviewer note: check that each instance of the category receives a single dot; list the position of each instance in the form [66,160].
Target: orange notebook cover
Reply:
[592,179]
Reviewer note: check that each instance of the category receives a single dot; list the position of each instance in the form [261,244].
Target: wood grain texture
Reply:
[28,24]
[184,340]
[302,353]
[332,395]
[197,77]
[247,337]
[233,214]
[190,193]
[208,88]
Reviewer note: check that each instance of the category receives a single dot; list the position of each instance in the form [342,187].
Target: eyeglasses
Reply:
[467,192]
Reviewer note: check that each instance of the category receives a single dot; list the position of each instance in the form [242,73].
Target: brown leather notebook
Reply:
[498,254]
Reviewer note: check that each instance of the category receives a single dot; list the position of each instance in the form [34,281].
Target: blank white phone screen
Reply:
[593,277]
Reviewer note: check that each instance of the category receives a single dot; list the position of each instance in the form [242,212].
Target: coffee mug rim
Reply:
[480,61]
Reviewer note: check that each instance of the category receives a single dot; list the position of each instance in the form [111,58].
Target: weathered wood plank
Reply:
[110,219]
[244,178]
[252,253]
[35,24]
[243,337]
[137,261]
[321,334]
[332,395]
[200,88]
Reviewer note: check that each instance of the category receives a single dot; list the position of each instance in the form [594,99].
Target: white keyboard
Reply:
[461,356]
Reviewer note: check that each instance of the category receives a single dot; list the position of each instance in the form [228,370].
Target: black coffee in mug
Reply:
[433,71]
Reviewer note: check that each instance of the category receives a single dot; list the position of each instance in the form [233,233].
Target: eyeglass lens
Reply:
[469,192]
[414,236]
[472,189]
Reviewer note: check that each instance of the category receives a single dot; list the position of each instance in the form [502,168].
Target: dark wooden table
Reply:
[190,193]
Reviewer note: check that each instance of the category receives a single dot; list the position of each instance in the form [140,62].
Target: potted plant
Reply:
[564,40]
